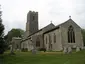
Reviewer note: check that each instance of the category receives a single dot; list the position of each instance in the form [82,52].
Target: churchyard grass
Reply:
[44,58]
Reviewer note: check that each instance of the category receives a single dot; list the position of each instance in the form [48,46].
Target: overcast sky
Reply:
[57,11]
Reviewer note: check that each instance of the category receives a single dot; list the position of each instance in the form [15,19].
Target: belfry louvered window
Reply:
[71,35]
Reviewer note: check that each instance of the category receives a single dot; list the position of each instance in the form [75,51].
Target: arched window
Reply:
[71,35]
[23,45]
[49,41]
[46,40]
[17,46]
[38,42]
[54,38]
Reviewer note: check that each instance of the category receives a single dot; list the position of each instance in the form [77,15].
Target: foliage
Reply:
[3,45]
[14,33]
[24,49]
[2,41]
[42,49]
[83,33]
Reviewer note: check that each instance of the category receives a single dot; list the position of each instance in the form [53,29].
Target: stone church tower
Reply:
[32,22]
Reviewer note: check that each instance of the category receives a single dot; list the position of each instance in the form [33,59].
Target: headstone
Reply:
[34,51]
[77,49]
[11,50]
[69,49]
[65,50]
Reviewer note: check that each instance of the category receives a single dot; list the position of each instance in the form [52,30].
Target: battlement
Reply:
[33,12]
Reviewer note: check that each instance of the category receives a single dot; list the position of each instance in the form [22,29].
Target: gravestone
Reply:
[77,49]
[34,51]
[11,50]
[65,50]
[69,49]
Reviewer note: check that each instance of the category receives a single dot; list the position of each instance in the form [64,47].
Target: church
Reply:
[52,38]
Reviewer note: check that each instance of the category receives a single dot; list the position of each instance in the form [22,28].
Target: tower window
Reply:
[71,35]
[33,17]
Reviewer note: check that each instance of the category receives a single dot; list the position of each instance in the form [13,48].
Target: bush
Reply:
[42,49]
[24,49]
[1,51]
[3,45]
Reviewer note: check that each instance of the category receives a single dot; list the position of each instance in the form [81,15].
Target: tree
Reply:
[13,33]
[83,33]
[2,41]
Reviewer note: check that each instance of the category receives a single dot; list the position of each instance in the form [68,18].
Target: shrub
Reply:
[42,49]
[24,49]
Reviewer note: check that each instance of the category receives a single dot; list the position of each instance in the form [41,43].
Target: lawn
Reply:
[43,58]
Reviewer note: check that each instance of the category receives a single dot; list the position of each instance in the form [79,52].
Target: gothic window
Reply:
[71,35]
[37,42]
[51,46]
[54,38]
[50,38]
[46,40]
[50,41]
[17,46]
